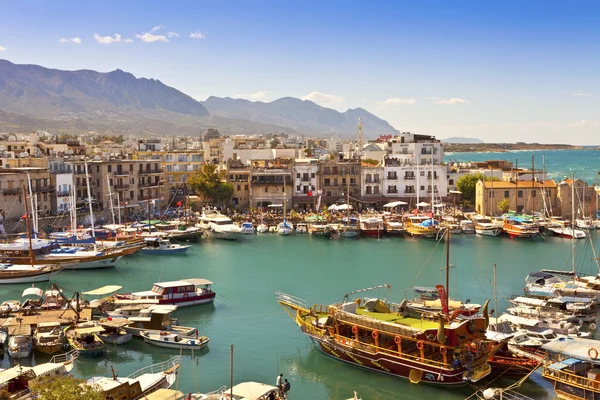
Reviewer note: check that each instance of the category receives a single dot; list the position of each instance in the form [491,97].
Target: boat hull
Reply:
[374,233]
[51,349]
[97,263]
[488,231]
[176,250]
[116,339]
[42,276]
[192,344]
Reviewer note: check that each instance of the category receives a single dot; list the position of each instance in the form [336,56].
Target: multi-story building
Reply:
[414,183]
[523,196]
[372,184]
[305,172]
[238,175]
[130,182]
[585,198]
[62,179]
[336,176]
[271,183]
[249,150]
[12,183]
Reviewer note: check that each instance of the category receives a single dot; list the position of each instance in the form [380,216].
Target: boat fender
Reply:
[397,339]
[592,326]
[420,344]
[355,329]
[443,350]
[374,334]
[430,337]
[185,295]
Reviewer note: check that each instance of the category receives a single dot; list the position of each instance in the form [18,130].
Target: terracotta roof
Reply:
[521,184]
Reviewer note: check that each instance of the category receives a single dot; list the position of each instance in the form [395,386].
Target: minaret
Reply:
[361,138]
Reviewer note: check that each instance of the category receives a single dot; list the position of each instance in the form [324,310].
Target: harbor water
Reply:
[266,341]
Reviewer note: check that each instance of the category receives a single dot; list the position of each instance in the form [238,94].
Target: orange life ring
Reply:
[355,329]
[374,334]
[397,339]
[594,352]
[186,295]
[443,350]
[420,344]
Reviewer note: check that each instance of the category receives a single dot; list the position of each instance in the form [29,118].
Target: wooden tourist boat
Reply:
[183,293]
[421,227]
[84,338]
[139,384]
[517,229]
[174,340]
[388,338]
[575,371]
[14,273]
[49,337]
[371,226]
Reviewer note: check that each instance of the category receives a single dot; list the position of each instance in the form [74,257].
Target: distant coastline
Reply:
[503,147]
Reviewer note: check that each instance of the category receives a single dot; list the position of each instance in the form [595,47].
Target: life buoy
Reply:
[355,329]
[185,295]
[443,350]
[420,345]
[593,353]
[397,339]
[374,334]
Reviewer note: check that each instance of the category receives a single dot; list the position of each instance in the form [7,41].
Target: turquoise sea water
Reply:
[585,164]
[267,341]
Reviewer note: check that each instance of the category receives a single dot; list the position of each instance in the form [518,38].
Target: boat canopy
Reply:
[164,394]
[251,390]
[518,320]
[115,323]
[425,289]
[33,291]
[529,300]
[103,290]
[571,347]
[422,204]
[198,281]
[540,274]
[275,205]
[88,331]
[395,204]
[567,363]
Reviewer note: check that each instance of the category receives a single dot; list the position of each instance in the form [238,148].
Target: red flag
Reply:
[178,204]
[310,193]
[442,294]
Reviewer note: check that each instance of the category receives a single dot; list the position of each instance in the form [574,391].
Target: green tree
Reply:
[275,142]
[370,161]
[63,388]
[208,182]
[504,205]
[466,184]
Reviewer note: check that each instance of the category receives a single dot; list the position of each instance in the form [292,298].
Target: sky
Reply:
[500,71]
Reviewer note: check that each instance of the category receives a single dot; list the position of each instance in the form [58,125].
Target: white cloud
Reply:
[579,94]
[2,49]
[151,38]
[157,28]
[584,123]
[128,41]
[197,35]
[107,39]
[172,34]
[261,94]
[395,101]
[452,101]
[318,97]
[75,40]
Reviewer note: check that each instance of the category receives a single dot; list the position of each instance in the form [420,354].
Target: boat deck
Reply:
[62,316]
[398,319]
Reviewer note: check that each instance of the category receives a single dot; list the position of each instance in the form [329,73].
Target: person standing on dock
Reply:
[286,388]
[279,383]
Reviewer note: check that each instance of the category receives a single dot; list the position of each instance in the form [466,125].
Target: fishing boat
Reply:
[285,228]
[319,230]
[485,227]
[156,318]
[84,338]
[182,293]
[371,226]
[247,228]
[301,227]
[576,368]
[419,226]
[20,346]
[175,340]
[219,226]
[49,337]
[15,273]
[14,381]
[159,245]
[141,383]
[567,232]
[114,331]
[241,391]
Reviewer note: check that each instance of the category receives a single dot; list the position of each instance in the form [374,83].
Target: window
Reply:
[326,170]
[304,189]
[422,173]
[335,181]
[450,181]
[245,187]
[376,189]
[491,194]
[506,194]
[344,181]
[422,187]
[328,193]
[131,195]
[283,189]
[109,168]
[520,193]
[239,187]
[368,177]
[376,177]
[298,175]
[533,193]
[326,182]
[98,168]
[130,167]
[312,175]
[266,190]
[368,190]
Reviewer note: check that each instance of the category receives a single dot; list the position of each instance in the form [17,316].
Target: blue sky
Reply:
[495,70]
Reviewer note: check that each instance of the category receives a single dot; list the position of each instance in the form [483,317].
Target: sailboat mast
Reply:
[447,267]
[418,187]
[573,223]
[231,372]
[119,206]
[432,186]
[495,297]
[532,187]
[87,179]
[31,257]
[32,205]
[112,211]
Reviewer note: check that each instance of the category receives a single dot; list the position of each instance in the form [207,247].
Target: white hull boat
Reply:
[10,273]
[19,346]
[175,340]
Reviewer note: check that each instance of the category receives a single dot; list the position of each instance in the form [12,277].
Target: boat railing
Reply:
[66,357]
[377,325]
[570,378]
[291,300]
[158,367]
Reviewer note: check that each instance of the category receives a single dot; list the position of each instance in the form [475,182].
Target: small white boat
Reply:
[285,228]
[174,340]
[11,273]
[158,245]
[467,226]
[10,306]
[262,228]
[19,346]
[241,391]
[301,227]
[247,228]
[273,229]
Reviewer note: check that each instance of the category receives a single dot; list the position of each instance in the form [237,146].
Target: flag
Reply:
[178,204]
[310,193]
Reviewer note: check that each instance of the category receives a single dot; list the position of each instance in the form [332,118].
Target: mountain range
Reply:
[33,97]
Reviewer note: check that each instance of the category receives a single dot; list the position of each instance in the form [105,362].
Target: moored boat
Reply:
[175,340]
[285,228]
[421,226]
[371,226]
[247,228]
[241,391]
[219,226]
[319,230]
[84,338]
[159,245]
[49,337]
[114,331]
[518,229]
[15,273]
[20,346]
[182,293]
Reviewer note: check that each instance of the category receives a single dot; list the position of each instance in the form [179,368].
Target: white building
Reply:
[247,153]
[63,178]
[304,176]
[372,183]
[414,183]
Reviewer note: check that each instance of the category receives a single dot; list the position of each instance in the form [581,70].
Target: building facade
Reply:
[523,196]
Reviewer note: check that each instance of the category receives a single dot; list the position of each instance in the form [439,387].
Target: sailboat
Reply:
[284,228]
[390,338]
[347,229]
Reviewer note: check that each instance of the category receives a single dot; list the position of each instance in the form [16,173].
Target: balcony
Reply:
[43,189]
[392,177]
[153,171]
[409,177]
[121,187]
[392,191]
[64,193]
[11,191]
[410,191]
[122,173]
[150,184]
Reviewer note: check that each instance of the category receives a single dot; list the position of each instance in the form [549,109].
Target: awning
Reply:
[422,204]
[33,291]
[395,204]
[90,330]
[198,281]
[251,390]
[571,347]
[164,394]
[116,323]
[103,290]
